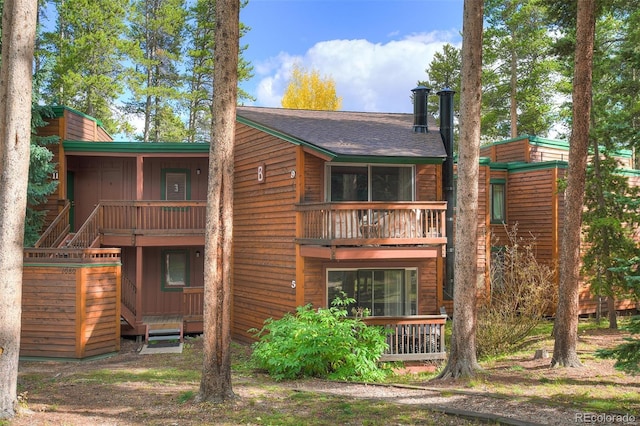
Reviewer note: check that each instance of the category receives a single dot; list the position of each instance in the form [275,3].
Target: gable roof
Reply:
[350,136]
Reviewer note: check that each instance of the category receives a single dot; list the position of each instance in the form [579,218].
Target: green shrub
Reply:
[627,355]
[321,343]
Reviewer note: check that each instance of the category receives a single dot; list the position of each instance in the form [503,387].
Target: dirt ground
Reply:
[128,389]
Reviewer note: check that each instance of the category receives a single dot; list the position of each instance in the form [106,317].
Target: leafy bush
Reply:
[522,293]
[627,355]
[320,343]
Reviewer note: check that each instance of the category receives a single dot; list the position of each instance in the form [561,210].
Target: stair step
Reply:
[164,338]
[161,331]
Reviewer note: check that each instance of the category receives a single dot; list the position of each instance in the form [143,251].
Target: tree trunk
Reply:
[18,38]
[215,385]
[566,323]
[611,308]
[462,358]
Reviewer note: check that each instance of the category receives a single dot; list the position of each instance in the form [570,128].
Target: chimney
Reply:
[420,94]
[446,132]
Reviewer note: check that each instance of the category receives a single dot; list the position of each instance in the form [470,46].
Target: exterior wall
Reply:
[100,178]
[81,128]
[70,311]
[156,300]
[517,150]
[153,175]
[264,230]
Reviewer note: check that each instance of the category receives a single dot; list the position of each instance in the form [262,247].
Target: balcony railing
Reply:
[375,223]
[414,338]
[126,217]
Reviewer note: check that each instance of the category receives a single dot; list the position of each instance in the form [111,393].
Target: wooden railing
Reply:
[70,255]
[413,338]
[193,303]
[377,223]
[128,217]
[57,231]
[128,296]
[88,233]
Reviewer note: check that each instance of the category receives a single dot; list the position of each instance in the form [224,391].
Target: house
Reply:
[325,203]
[520,185]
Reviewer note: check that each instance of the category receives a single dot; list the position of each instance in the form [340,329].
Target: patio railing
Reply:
[376,223]
[413,338]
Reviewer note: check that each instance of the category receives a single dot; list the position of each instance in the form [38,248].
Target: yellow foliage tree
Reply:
[308,90]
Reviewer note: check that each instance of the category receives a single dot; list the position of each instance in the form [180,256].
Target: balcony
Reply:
[151,222]
[351,230]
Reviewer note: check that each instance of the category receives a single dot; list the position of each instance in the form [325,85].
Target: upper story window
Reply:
[176,185]
[360,182]
[498,201]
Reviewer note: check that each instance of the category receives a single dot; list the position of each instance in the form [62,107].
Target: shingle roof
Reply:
[351,134]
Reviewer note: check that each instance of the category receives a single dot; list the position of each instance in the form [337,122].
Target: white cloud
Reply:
[369,76]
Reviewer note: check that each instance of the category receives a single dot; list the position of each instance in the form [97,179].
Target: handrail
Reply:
[373,223]
[129,292]
[72,255]
[413,338]
[57,230]
[88,232]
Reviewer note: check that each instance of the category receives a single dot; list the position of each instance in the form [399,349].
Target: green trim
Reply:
[283,136]
[163,270]
[163,182]
[136,147]
[387,160]
[66,359]
[550,143]
[498,181]
[527,167]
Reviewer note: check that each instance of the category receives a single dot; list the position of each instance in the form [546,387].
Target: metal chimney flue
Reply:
[446,131]
[420,94]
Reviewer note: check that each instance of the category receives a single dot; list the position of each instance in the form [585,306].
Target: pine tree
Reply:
[87,62]
[157,30]
[518,72]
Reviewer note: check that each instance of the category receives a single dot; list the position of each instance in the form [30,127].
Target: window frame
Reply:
[492,201]
[164,285]
[410,302]
[369,166]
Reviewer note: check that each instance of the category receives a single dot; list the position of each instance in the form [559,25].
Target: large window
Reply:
[175,269]
[498,202]
[382,292]
[370,183]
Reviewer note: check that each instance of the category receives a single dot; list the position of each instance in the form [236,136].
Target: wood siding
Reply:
[70,311]
[264,230]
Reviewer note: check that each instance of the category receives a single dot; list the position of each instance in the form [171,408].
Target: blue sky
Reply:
[375,50]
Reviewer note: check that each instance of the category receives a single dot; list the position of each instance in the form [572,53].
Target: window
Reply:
[176,185]
[498,202]
[370,183]
[383,292]
[175,270]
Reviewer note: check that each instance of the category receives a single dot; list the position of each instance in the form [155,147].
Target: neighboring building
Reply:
[520,185]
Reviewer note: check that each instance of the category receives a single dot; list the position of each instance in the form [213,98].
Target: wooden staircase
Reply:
[163,331]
